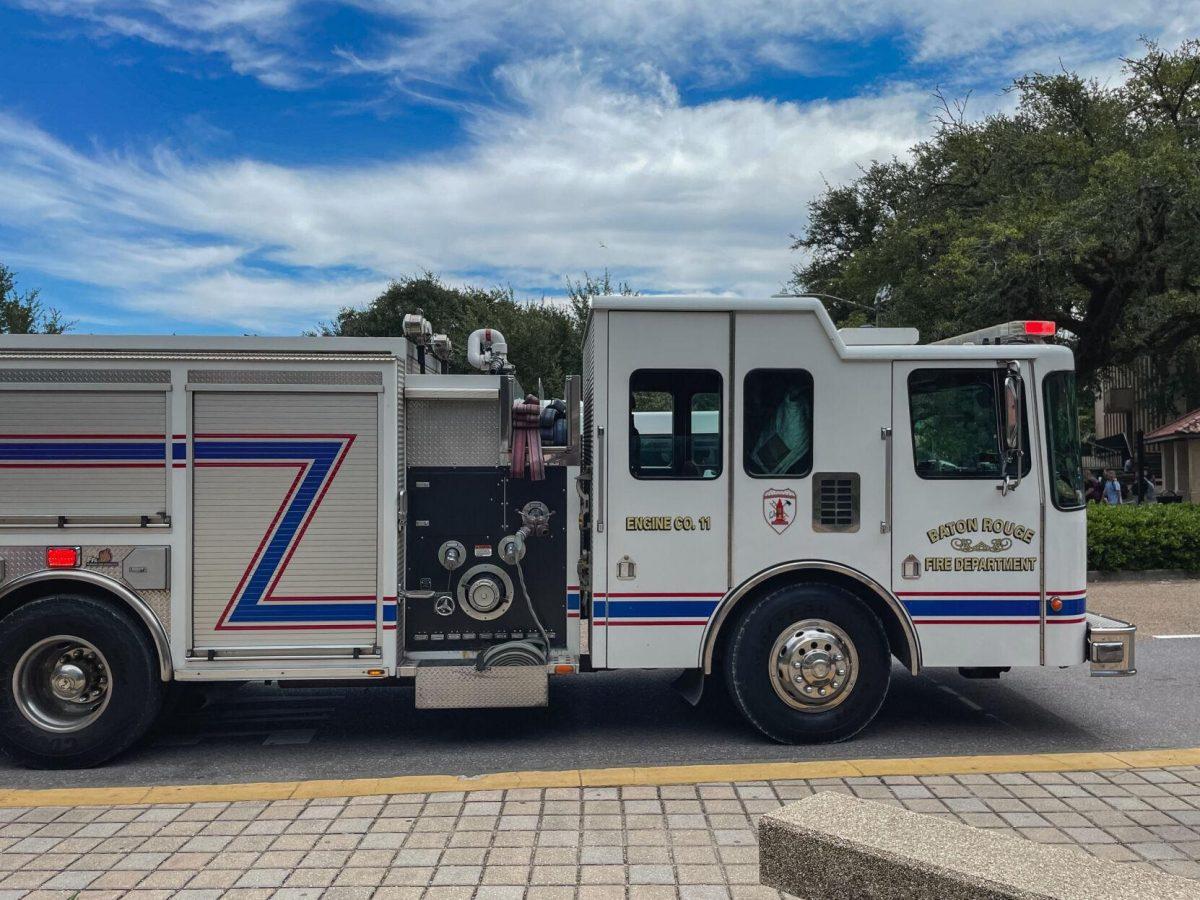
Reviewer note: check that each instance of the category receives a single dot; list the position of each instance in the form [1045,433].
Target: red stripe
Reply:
[137,465]
[660,594]
[278,435]
[1051,621]
[984,593]
[657,622]
[252,464]
[331,598]
[321,627]
[82,437]
[976,621]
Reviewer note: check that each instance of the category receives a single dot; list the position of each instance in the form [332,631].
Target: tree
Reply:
[24,313]
[1081,206]
[544,336]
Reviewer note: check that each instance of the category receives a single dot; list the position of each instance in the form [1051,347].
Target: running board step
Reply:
[462,687]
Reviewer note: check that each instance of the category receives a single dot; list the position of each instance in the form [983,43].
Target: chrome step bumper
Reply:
[1109,646]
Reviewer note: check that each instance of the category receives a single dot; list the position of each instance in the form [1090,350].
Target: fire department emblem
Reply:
[779,508]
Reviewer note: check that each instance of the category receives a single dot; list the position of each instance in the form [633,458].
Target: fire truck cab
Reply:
[735,489]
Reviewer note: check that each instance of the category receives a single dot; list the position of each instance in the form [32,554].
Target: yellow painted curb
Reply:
[614,777]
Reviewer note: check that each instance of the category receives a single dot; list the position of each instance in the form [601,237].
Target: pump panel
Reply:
[457,517]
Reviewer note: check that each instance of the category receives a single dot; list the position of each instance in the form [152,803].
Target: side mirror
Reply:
[1011,451]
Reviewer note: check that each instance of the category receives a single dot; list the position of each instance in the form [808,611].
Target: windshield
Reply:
[1062,434]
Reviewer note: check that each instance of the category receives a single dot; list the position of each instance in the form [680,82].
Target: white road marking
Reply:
[285,738]
[970,704]
[1175,637]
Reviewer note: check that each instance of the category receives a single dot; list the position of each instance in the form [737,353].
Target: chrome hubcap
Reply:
[62,684]
[813,665]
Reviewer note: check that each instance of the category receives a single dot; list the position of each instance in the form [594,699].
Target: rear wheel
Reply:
[808,663]
[79,682]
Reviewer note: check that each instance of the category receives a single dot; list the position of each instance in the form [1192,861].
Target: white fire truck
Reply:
[753,497]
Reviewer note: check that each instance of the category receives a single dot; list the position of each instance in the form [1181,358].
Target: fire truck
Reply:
[736,489]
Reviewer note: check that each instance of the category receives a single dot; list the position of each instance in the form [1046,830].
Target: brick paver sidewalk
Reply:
[683,841]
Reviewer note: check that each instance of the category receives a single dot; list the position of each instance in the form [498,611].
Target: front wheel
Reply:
[79,682]
[808,663]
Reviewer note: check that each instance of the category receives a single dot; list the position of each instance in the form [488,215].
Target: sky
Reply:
[252,166]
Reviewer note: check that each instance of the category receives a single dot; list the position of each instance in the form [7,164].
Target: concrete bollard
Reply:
[831,845]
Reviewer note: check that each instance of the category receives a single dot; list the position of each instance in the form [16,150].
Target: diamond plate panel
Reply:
[281,376]
[86,376]
[461,687]
[103,559]
[446,432]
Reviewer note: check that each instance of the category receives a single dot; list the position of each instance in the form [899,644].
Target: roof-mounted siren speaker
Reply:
[488,351]
[441,346]
[1021,331]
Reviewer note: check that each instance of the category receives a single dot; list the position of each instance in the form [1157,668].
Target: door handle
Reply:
[599,500]
[885,434]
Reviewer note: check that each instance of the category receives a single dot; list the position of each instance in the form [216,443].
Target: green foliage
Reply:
[1150,536]
[545,337]
[24,313]
[1079,206]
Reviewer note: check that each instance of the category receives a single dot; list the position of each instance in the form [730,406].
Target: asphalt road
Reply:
[264,733]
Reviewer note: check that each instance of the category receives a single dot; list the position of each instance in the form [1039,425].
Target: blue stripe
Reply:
[572,601]
[81,451]
[985,607]
[655,609]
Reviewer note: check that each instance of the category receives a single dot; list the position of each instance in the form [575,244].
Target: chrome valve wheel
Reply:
[61,684]
[813,665]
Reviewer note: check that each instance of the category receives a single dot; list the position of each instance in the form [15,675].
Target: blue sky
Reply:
[253,165]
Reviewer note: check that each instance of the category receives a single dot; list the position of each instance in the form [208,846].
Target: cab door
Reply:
[666,486]
[966,557]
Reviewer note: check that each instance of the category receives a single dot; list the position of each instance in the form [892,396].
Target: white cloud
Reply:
[582,156]
[692,40]
[674,197]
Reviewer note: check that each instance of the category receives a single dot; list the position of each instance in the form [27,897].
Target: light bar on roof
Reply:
[1021,331]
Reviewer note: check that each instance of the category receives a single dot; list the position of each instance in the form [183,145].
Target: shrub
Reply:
[1151,536]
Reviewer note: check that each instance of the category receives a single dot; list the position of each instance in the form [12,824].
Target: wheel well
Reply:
[37,588]
[892,626]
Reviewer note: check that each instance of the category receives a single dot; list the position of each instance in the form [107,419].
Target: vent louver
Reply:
[835,501]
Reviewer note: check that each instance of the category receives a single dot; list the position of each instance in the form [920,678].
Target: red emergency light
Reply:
[1040,329]
[62,557]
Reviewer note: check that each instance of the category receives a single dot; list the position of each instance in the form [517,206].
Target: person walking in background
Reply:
[1093,492]
[1112,488]
[1149,490]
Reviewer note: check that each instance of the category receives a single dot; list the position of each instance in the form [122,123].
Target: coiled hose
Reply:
[518,653]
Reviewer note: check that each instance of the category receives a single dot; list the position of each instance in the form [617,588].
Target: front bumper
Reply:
[1109,646]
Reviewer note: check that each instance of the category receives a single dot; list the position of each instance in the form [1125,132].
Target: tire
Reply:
[104,663]
[801,629]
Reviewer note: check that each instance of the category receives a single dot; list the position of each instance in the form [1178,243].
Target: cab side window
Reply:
[675,424]
[777,435]
[956,422]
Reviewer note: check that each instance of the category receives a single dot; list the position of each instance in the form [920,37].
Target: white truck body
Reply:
[246,502]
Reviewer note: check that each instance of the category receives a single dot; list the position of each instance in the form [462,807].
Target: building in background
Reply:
[1178,446]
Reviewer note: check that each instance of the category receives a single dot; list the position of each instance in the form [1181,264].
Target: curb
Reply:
[1142,575]
[615,777]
